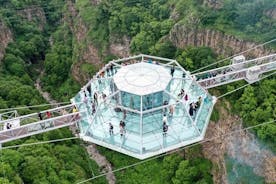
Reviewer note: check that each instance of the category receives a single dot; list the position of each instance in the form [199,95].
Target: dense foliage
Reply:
[187,166]
[147,23]
[57,79]
[246,19]
[44,41]
[144,21]
[258,105]
[65,162]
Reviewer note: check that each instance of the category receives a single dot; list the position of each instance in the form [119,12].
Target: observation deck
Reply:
[135,96]
[140,106]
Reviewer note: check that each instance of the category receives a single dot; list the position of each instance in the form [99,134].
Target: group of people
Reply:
[182,95]
[122,124]
[48,115]
[94,100]
[110,70]
[212,74]
[168,108]
[194,106]
[122,127]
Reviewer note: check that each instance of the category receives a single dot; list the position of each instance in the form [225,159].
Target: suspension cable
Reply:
[158,156]
[41,142]
[143,161]
[270,41]
[31,106]
[174,151]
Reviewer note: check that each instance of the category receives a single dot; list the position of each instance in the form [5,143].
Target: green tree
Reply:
[164,49]
[169,167]
[193,58]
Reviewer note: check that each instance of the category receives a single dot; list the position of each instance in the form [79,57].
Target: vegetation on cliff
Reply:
[43,40]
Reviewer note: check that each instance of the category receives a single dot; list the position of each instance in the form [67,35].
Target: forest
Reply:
[45,44]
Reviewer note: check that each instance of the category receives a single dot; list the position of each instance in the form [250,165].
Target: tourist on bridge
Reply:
[165,120]
[8,126]
[191,110]
[181,94]
[93,108]
[48,114]
[123,125]
[124,114]
[122,128]
[171,110]
[172,70]
[95,98]
[165,128]
[184,75]
[40,116]
[186,98]
[103,96]
[74,111]
[111,69]
[194,108]
[107,71]
[198,103]
[110,129]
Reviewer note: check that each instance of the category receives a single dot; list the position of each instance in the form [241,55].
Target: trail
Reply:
[94,154]
[242,146]
[45,94]
[102,162]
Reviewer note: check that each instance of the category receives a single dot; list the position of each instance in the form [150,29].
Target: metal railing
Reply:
[38,127]
[229,75]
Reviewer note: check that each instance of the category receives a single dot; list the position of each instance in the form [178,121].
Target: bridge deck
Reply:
[24,126]
[231,73]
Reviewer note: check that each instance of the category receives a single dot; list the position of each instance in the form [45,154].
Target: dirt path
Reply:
[94,154]
[241,146]
[45,95]
[102,162]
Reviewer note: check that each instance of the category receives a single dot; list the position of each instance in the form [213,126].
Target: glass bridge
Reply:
[143,106]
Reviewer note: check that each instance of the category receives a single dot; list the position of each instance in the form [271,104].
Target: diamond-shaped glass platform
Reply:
[135,96]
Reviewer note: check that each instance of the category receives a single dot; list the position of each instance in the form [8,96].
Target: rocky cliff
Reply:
[216,4]
[34,14]
[120,46]
[5,38]
[271,13]
[84,51]
[182,36]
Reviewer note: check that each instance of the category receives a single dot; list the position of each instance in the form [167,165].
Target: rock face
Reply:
[36,14]
[271,13]
[182,36]
[5,38]
[228,137]
[120,47]
[216,4]
[85,51]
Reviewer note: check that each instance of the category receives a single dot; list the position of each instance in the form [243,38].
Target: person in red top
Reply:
[48,114]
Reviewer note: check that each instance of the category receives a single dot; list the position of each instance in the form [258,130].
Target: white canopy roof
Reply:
[142,78]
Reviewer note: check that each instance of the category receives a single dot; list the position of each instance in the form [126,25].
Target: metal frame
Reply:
[141,154]
[38,127]
[247,63]
[70,118]
[236,77]
[8,115]
[34,116]
[225,71]
[97,110]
